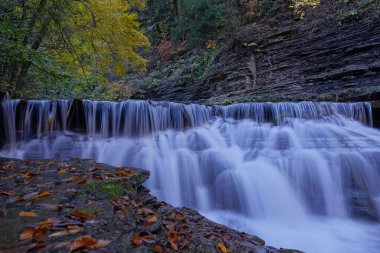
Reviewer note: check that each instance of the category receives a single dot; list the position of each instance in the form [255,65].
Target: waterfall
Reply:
[307,170]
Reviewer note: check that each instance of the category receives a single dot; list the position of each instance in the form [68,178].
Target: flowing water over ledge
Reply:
[301,175]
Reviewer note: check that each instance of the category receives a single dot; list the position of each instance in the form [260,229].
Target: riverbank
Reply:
[56,206]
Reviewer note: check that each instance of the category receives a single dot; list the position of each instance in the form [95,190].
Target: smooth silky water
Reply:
[300,175]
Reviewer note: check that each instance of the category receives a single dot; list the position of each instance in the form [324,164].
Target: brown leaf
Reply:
[52,163]
[126,198]
[40,235]
[222,248]
[83,180]
[124,173]
[82,242]
[136,240]
[158,249]
[45,224]
[180,217]
[27,174]
[27,214]
[79,214]
[26,234]
[8,193]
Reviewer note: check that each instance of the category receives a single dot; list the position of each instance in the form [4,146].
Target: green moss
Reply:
[111,190]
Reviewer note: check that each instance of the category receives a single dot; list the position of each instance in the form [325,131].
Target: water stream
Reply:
[300,175]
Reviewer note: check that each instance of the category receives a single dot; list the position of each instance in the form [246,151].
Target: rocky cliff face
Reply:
[284,59]
[326,62]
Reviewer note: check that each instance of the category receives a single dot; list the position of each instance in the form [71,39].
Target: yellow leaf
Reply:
[27,214]
[42,194]
[222,248]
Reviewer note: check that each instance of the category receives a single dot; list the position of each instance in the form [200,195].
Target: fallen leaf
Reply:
[42,194]
[70,179]
[60,233]
[45,224]
[27,214]
[158,249]
[52,207]
[108,175]
[172,237]
[151,220]
[124,173]
[26,234]
[180,217]
[40,235]
[63,170]
[81,215]
[52,163]
[136,240]
[222,248]
[83,180]
[27,174]
[8,193]
[126,198]
[87,242]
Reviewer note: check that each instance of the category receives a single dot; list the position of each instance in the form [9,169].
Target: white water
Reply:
[295,183]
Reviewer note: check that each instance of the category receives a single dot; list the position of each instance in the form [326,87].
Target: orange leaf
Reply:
[173,236]
[136,240]
[151,220]
[100,244]
[82,242]
[63,170]
[27,214]
[174,246]
[45,224]
[26,234]
[158,249]
[222,248]
[27,174]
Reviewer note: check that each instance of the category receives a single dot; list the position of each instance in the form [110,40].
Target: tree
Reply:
[88,37]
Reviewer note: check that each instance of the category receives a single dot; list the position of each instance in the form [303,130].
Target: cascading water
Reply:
[301,175]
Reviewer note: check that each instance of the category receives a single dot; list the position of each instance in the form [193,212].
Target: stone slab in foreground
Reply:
[80,205]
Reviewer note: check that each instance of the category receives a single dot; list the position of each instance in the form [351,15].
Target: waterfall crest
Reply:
[273,163]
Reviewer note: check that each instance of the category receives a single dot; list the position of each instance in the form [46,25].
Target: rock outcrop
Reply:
[326,62]
[61,206]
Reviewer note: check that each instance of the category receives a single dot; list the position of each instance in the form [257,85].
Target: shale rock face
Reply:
[291,62]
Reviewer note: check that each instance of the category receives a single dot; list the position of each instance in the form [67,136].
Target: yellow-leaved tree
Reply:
[101,37]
